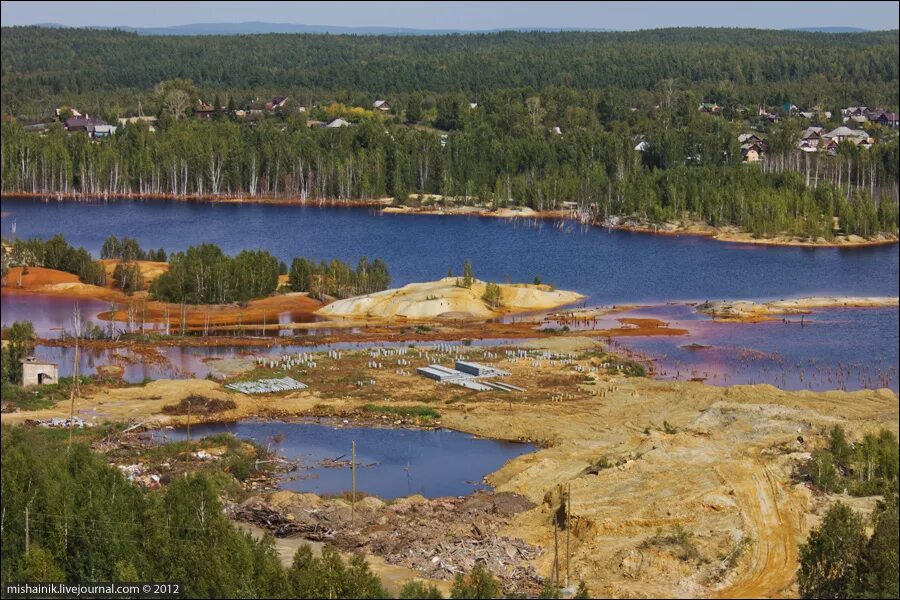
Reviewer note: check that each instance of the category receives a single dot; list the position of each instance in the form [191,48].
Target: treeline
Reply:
[84,522]
[203,274]
[867,467]
[338,279]
[206,275]
[841,560]
[755,65]
[128,249]
[691,167]
[54,253]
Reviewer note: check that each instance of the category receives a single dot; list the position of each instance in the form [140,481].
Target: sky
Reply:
[464,15]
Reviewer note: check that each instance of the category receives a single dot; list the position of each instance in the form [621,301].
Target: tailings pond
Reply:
[390,462]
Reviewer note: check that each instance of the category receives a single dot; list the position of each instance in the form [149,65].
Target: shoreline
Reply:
[727,234]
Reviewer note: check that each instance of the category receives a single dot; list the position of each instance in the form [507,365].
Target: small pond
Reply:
[391,463]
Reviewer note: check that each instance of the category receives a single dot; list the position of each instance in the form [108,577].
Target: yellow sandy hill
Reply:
[746,310]
[444,299]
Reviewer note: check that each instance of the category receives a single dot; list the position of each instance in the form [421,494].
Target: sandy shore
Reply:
[745,310]
[728,234]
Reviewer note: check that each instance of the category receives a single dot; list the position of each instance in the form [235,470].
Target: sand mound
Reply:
[150,269]
[745,310]
[444,298]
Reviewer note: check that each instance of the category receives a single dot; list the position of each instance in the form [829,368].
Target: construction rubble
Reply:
[438,538]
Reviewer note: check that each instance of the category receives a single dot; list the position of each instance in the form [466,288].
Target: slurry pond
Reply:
[390,462]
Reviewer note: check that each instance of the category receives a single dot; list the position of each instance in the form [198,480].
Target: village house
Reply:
[809,139]
[844,134]
[381,105]
[85,123]
[339,122]
[885,119]
[35,372]
[751,153]
[710,108]
[277,102]
[204,111]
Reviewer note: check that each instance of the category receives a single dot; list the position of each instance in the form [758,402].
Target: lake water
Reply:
[608,266]
[849,349]
[829,349]
[390,462]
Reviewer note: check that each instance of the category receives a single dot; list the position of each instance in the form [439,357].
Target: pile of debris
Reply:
[198,405]
[55,422]
[264,515]
[439,538]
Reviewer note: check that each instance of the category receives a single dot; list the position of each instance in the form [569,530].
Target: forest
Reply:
[747,65]
[608,122]
[202,274]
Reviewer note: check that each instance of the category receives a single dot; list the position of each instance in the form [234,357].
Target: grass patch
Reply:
[408,412]
[679,540]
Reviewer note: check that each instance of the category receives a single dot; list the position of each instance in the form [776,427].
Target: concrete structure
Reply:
[35,372]
[467,374]
[478,369]
[267,386]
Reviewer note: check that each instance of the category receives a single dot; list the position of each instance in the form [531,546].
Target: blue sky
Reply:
[464,15]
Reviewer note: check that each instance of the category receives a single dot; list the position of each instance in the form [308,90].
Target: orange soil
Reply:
[198,316]
[38,280]
[644,327]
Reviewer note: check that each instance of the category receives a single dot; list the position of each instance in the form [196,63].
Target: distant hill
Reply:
[830,29]
[258,27]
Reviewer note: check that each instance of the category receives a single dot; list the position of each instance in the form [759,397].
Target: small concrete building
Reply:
[35,372]
[479,370]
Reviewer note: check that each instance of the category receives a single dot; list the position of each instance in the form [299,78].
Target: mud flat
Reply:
[748,311]
[445,299]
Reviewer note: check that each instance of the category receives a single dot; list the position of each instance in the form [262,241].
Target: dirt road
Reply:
[770,517]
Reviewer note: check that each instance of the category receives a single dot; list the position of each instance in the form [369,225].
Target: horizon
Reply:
[466,16]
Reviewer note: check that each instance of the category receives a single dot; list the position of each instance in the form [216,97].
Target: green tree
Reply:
[418,589]
[492,296]
[479,583]
[830,559]
[467,278]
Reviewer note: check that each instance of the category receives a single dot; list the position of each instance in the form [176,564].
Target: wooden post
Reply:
[189,420]
[568,528]
[555,551]
[76,319]
[352,481]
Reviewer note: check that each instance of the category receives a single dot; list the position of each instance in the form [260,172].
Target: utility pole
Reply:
[556,550]
[189,420]
[27,538]
[568,528]
[76,321]
[352,481]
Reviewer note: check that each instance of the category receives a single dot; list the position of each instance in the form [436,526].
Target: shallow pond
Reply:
[390,462]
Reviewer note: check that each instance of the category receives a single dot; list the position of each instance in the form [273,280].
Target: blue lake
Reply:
[390,462]
[607,266]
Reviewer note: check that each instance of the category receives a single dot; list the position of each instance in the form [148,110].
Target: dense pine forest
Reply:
[744,64]
[607,123]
